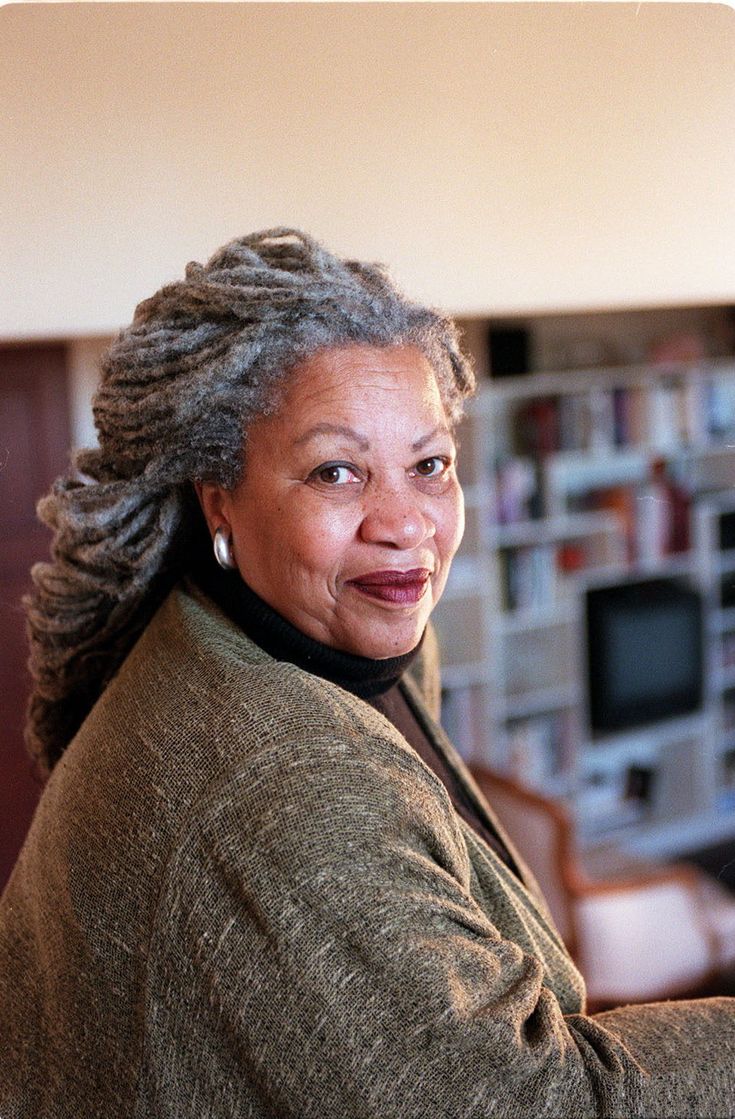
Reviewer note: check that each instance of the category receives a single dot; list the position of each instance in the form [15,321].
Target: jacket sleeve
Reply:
[318,953]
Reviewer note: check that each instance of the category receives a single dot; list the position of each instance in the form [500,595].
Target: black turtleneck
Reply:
[375,681]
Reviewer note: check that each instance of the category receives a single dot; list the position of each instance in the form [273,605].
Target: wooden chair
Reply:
[638,932]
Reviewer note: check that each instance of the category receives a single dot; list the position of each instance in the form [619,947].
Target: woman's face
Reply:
[349,511]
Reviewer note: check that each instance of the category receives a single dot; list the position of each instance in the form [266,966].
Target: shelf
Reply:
[702,448]
[464,675]
[723,679]
[566,382]
[725,562]
[554,529]
[538,701]
[627,746]
[726,743]
[600,818]
[646,835]
[711,467]
[577,472]
[518,621]
[664,839]
[560,786]
[722,620]
[683,563]
[579,449]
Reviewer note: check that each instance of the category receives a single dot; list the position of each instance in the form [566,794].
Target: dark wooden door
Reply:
[34,449]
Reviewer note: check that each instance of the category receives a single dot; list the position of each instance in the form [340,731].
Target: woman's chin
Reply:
[386,642]
[380,629]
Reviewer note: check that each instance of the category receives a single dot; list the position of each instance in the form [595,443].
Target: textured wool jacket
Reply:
[244,895]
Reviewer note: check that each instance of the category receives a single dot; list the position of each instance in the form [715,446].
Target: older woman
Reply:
[260,882]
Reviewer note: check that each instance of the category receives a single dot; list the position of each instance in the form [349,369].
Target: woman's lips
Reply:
[405,588]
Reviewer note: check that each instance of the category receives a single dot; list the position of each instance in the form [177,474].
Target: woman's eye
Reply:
[431,467]
[335,474]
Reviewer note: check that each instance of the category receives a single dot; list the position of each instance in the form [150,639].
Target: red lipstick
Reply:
[404,588]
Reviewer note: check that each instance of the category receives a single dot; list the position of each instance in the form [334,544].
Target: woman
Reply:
[260,882]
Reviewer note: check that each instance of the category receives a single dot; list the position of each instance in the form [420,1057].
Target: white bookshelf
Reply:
[585,512]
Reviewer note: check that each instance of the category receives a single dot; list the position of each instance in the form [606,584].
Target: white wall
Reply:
[83,362]
[501,157]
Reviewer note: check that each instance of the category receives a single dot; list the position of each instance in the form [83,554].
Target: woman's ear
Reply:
[213,501]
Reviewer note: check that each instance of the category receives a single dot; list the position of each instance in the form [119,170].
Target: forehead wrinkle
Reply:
[334,429]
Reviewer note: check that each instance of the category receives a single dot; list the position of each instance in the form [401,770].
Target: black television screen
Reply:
[644,653]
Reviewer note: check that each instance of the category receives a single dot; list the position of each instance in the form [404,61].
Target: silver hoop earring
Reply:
[223,549]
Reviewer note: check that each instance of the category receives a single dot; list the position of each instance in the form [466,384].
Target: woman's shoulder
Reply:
[199,721]
[202,725]
[297,753]
[196,699]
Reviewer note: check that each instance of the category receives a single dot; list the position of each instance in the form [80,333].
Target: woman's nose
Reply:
[396,519]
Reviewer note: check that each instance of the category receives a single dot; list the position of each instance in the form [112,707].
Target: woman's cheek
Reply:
[450,526]
[325,536]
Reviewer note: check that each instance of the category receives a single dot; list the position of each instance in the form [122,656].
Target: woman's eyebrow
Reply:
[440,429]
[334,429]
[363,443]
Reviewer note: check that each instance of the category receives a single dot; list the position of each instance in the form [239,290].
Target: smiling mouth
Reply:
[404,588]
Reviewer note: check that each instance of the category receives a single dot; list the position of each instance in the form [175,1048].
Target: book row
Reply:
[662,416]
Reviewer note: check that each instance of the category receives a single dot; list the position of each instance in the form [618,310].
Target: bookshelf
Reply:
[585,477]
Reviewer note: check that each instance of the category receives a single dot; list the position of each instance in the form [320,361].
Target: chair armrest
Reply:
[645,939]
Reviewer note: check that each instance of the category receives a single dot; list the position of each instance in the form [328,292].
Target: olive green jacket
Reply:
[244,895]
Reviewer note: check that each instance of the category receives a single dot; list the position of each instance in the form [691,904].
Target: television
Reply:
[645,655]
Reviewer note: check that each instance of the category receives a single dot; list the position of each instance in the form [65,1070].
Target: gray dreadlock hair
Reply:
[201,359]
